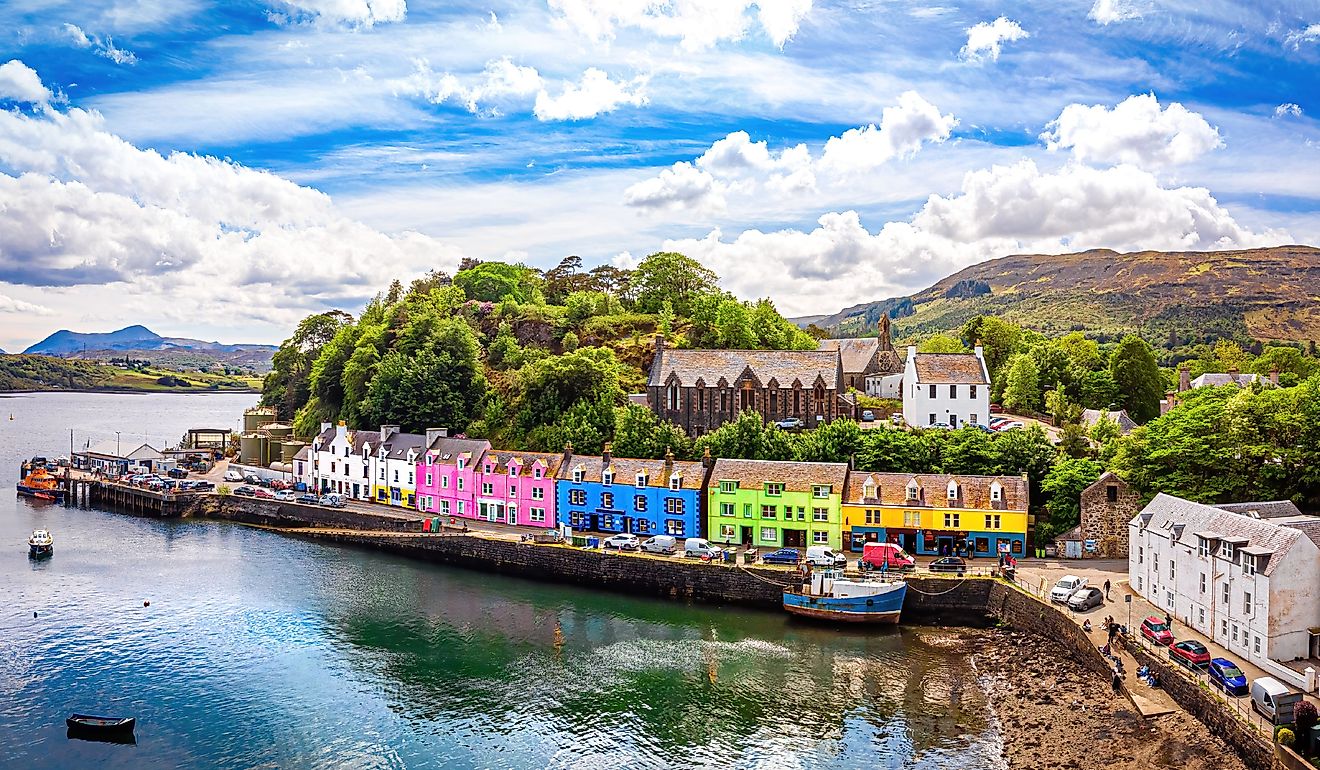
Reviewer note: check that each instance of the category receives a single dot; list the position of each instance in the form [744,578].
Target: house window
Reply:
[642,526]
[410,478]
[973,394]
[769,534]
[607,500]
[820,492]
[577,497]
[769,512]
[1111,493]
[1141,554]
[538,493]
[953,490]
[1156,557]
[820,514]
[676,482]
[932,391]
[932,416]
[444,482]
[727,487]
[537,515]
[459,483]
[460,508]
[951,520]
[513,471]
[577,519]
[1172,569]
[953,391]
[382,474]
[801,514]
[607,478]
[972,419]
[1248,564]
[1200,616]
[1138,582]
[1227,593]
[820,537]
[675,527]
[429,482]
[639,503]
[577,475]
[1246,603]
[641,480]
[674,505]
[724,400]
[992,521]
[1204,548]
[1202,582]
[488,489]
[607,522]
[797,403]
[727,532]
[701,399]
[513,491]
[1226,551]
[872,516]
[1223,628]
[913,490]
[536,472]
[774,489]
[774,401]
[1257,647]
[746,398]
[673,397]
[747,510]
[912,519]
[1168,598]
[1235,633]
[444,507]
[726,509]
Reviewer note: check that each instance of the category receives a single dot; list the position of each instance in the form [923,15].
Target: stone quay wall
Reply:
[272,513]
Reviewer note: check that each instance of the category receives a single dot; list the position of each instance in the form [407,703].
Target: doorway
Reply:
[944,546]
[746,536]
[795,538]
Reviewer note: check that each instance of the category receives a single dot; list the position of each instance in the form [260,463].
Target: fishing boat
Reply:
[41,544]
[101,728]
[829,595]
[41,484]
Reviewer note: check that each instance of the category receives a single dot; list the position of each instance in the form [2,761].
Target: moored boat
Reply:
[829,595]
[101,728]
[41,484]
[41,544]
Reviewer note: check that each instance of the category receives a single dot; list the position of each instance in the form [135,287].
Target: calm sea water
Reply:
[260,651]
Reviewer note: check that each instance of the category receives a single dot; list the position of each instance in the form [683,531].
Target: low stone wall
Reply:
[1254,750]
[270,513]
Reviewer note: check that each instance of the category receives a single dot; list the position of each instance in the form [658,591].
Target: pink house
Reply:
[517,487]
[446,476]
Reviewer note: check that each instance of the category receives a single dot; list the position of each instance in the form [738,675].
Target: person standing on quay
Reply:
[1106,589]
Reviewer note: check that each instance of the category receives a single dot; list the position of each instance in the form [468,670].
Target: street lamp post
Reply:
[118,455]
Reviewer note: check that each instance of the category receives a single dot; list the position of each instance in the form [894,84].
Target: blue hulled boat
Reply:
[831,596]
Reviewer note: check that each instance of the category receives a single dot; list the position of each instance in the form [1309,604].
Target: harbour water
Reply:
[260,651]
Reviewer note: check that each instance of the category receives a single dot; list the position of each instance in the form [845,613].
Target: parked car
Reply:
[1225,675]
[948,564]
[783,556]
[701,548]
[824,556]
[1085,598]
[667,544]
[791,423]
[307,499]
[263,493]
[977,426]
[886,556]
[623,542]
[1156,630]
[284,495]
[1009,425]
[940,426]
[203,486]
[896,419]
[245,491]
[253,479]
[868,415]
[1272,700]
[1066,587]
[177,473]
[233,476]
[333,501]
[1189,653]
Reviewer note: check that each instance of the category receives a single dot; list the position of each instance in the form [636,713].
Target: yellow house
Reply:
[936,514]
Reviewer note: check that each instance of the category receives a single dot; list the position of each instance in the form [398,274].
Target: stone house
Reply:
[700,390]
[1107,507]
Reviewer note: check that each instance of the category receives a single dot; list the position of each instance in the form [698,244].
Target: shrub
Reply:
[223,489]
[1284,737]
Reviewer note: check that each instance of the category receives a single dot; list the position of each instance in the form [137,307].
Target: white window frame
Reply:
[772,532]
[820,537]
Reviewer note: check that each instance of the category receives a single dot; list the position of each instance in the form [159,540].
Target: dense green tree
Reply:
[733,326]
[1062,488]
[833,442]
[941,343]
[671,276]
[899,451]
[288,385]
[1285,360]
[999,340]
[1138,378]
[1022,391]
[639,433]
[1096,390]
[1082,353]
[439,384]
[748,437]
[493,281]
[545,392]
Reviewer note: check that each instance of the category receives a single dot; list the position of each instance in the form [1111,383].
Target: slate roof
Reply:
[304,453]
[973,491]
[525,459]
[398,445]
[447,449]
[1125,423]
[1211,379]
[1166,512]
[711,366]
[795,476]
[953,368]
[1268,510]
[855,352]
[361,438]
[626,470]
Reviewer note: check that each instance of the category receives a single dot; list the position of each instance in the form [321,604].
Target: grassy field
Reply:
[28,372]
[151,380]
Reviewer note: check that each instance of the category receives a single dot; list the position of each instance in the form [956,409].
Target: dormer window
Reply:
[913,491]
[578,473]
[641,480]
[953,490]
[1248,564]
[728,487]
[675,482]
[536,472]
[460,463]
[868,490]
[820,491]
[607,477]
[996,492]
[487,468]
[774,489]
[1226,551]
[513,470]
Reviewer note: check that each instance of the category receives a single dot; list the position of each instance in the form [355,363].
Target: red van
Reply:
[886,556]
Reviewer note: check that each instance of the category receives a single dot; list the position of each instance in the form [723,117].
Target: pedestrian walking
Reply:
[1106,589]
[1168,620]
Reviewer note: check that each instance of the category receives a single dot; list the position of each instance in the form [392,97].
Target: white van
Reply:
[660,544]
[1273,700]
[824,556]
[699,547]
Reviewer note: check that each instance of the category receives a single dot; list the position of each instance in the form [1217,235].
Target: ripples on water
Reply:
[263,652]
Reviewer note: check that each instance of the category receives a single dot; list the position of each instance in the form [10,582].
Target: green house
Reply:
[774,504]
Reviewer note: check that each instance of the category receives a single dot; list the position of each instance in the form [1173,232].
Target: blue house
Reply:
[644,497]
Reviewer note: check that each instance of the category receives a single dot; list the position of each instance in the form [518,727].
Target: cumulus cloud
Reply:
[986,39]
[11,305]
[20,83]
[697,24]
[593,95]
[1137,130]
[736,164]
[355,13]
[81,206]
[1001,210]
[1308,34]
[1290,109]
[104,48]
[1108,12]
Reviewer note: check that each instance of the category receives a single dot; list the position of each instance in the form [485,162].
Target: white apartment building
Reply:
[949,388]
[342,460]
[1248,581]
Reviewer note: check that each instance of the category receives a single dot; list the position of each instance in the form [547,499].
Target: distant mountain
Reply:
[1169,297]
[139,342]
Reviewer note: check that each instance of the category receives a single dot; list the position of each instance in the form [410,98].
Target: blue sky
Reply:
[221,169]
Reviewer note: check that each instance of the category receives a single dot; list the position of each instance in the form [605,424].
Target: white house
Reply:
[1252,584]
[394,465]
[114,457]
[342,460]
[950,388]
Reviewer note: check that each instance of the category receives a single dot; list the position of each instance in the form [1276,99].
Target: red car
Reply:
[267,494]
[1189,653]
[1156,630]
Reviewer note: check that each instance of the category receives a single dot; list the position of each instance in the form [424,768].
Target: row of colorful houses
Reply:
[762,503]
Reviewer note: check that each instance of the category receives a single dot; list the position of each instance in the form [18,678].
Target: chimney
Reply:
[912,352]
[1274,375]
[659,343]
[1184,379]
[605,455]
[435,434]
[669,462]
[979,350]
[386,431]
[707,460]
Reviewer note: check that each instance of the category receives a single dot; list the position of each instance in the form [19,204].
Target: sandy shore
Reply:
[1055,714]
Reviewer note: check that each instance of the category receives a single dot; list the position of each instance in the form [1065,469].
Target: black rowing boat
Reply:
[109,726]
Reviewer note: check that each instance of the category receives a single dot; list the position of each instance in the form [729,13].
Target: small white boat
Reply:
[40,544]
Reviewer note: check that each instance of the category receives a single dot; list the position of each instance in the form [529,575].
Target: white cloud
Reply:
[1136,131]
[20,83]
[77,35]
[986,39]
[593,95]
[1111,11]
[1290,109]
[105,48]
[737,164]
[356,13]
[11,305]
[698,24]
[1309,34]
[999,211]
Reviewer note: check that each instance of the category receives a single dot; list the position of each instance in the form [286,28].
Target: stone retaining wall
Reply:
[271,513]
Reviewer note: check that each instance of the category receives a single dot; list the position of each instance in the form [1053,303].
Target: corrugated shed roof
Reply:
[973,491]
[1166,511]
[711,366]
[795,476]
[952,368]
[855,352]
[626,470]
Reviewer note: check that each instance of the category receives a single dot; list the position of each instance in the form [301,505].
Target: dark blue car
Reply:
[782,556]
[1229,678]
